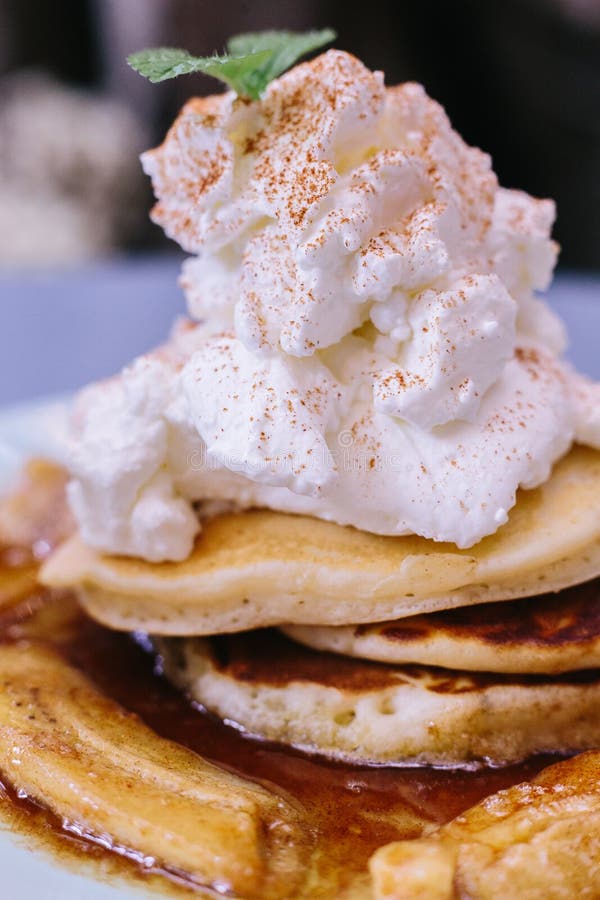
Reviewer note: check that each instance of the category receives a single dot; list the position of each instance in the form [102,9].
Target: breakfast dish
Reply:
[350,510]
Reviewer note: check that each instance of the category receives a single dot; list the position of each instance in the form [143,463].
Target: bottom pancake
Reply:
[371,713]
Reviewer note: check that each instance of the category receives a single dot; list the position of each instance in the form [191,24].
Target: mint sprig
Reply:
[250,63]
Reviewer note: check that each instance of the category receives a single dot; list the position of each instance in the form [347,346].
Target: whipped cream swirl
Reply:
[365,343]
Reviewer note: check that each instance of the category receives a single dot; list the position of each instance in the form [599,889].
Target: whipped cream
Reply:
[365,344]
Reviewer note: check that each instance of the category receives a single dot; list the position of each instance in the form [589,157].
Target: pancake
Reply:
[538,840]
[258,568]
[366,712]
[548,634]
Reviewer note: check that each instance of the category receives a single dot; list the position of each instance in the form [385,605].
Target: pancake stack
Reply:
[378,650]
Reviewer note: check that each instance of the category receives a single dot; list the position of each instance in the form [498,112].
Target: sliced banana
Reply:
[99,767]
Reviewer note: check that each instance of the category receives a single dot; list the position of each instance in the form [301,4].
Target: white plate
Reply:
[28,871]
[29,429]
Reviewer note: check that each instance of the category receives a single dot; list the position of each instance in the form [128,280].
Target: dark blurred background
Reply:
[520,78]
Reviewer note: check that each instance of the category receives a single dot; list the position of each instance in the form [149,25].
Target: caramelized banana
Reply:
[99,768]
[34,517]
[538,840]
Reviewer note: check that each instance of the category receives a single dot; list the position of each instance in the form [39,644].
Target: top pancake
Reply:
[259,568]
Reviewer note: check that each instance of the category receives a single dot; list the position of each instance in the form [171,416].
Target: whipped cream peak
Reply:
[365,342]
[462,339]
[275,420]
[122,492]
[309,206]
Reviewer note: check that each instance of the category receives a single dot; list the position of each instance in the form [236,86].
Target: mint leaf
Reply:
[252,60]
[162,63]
[286,47]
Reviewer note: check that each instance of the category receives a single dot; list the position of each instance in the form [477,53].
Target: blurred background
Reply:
[86,281]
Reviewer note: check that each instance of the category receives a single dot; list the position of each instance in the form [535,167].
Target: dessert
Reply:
[351,506]
[365,349]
